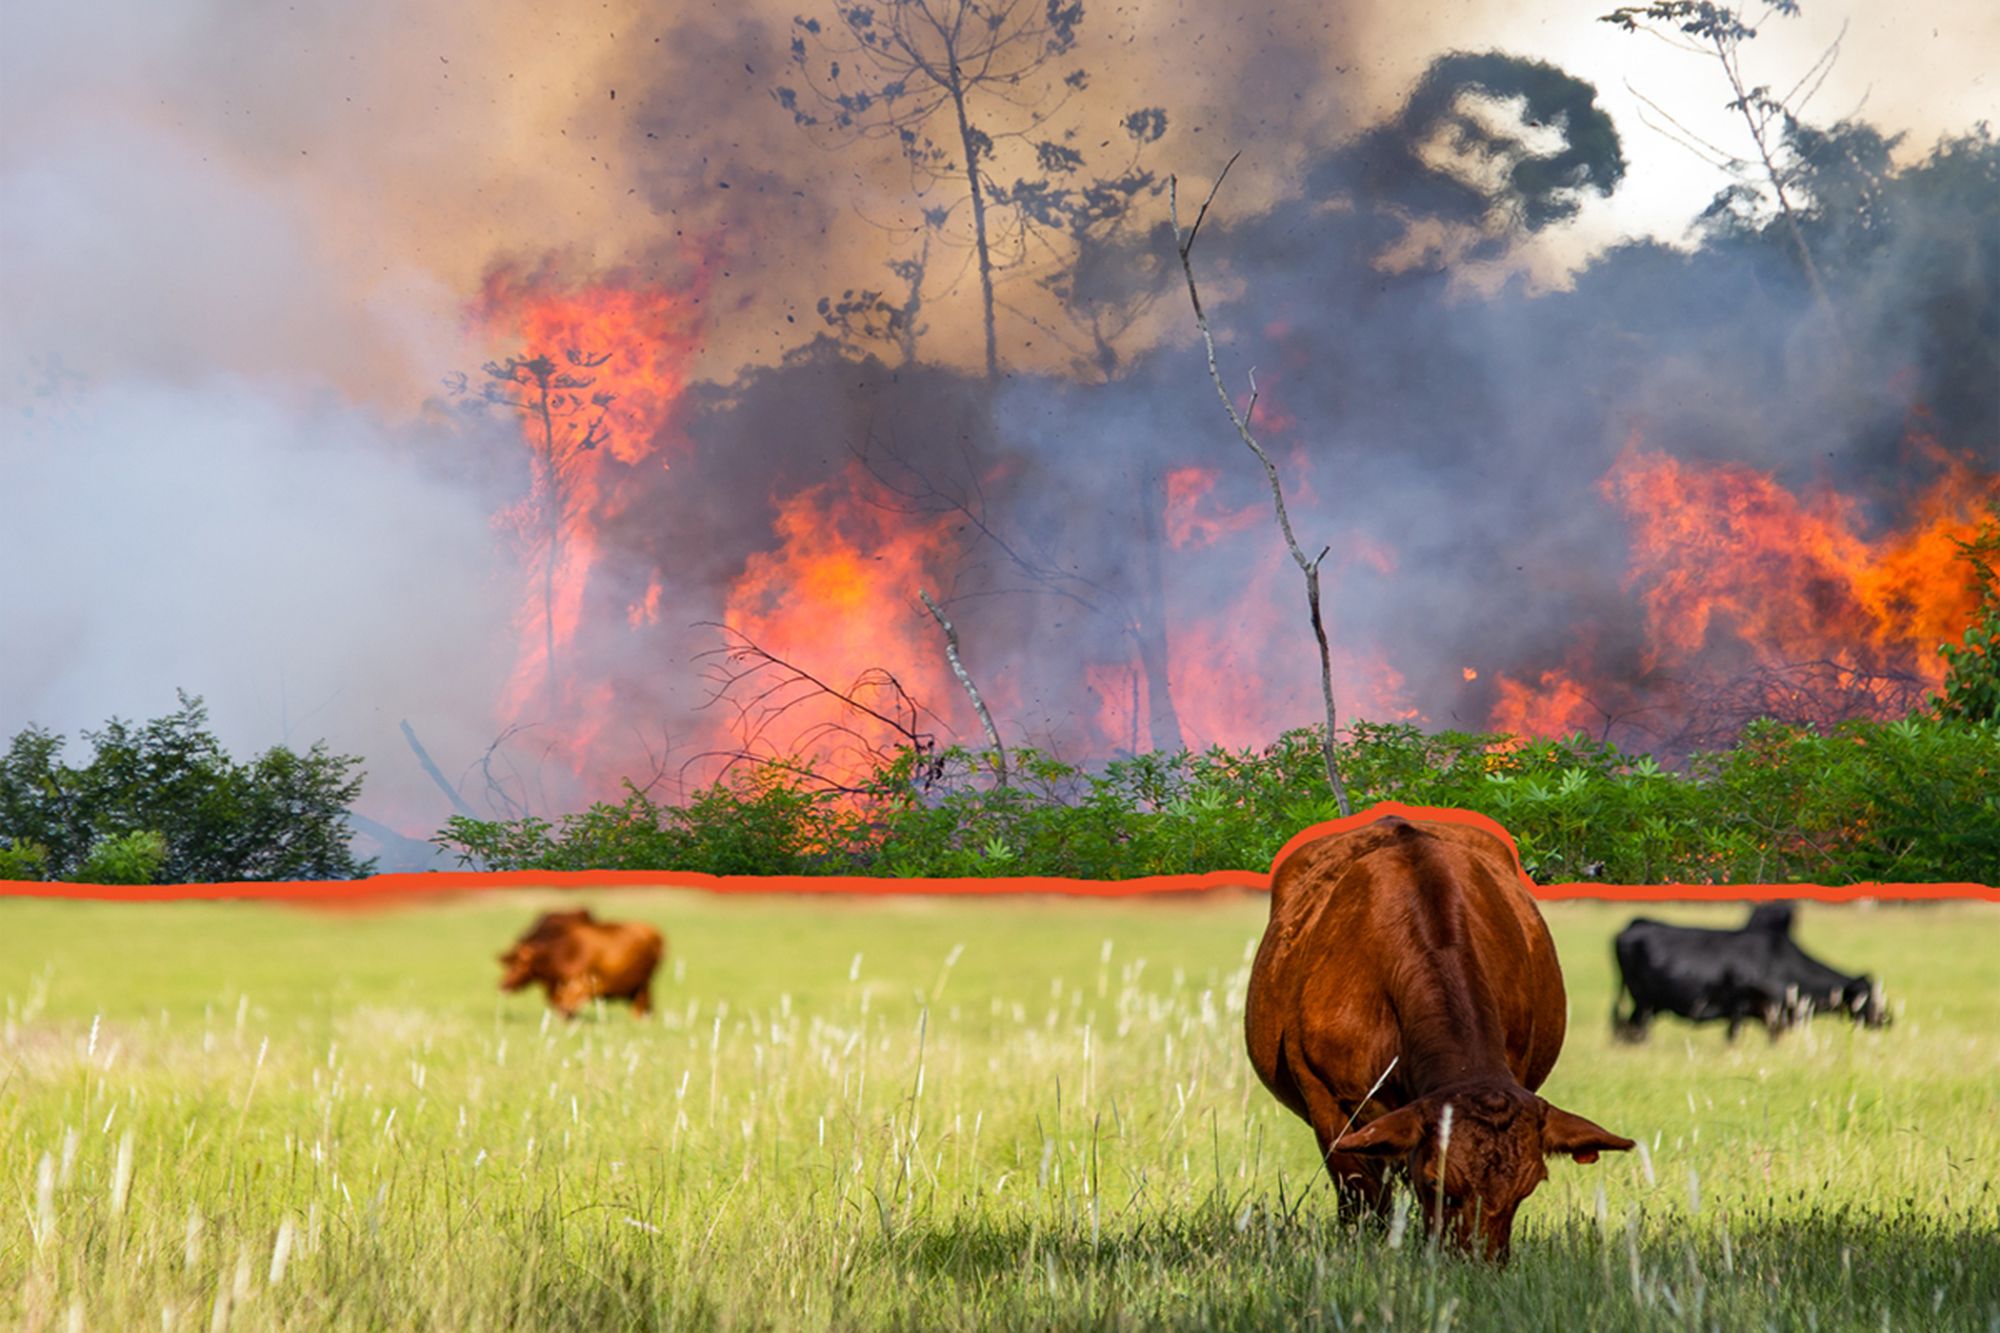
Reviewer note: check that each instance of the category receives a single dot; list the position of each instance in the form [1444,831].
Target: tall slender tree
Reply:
[1718,30]
[967,90]
[565,420]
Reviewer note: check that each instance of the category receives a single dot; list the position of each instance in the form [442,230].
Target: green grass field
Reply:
[920,1114]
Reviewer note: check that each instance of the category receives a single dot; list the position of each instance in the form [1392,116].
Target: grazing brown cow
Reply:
[1406,1002]
[579,959]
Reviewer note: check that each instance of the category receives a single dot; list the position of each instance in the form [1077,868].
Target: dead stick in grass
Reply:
[1184,242]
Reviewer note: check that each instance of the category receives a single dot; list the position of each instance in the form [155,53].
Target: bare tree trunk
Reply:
[1726,56]
[1149,635]
[1184,242]
[430,767]
[978,219]
[555,508]
[971,690]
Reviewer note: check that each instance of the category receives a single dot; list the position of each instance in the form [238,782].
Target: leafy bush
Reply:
[1972,665]
[128,858]
[280,816]
[26,859]
[1915,800]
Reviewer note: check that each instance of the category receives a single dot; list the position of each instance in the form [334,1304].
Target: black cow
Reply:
[1757,971]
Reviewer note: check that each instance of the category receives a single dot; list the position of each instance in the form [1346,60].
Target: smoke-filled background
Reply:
[1597,436]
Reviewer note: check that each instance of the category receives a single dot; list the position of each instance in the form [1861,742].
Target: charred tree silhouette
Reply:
[962,87]
[565,423]
[861,316]
[1718,31]
[1486,147]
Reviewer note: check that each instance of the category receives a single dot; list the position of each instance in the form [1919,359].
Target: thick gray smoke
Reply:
[291,561]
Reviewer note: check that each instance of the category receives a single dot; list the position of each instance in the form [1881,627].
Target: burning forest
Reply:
[661,471]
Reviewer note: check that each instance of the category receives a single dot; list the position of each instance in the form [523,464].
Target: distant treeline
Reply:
[164,803]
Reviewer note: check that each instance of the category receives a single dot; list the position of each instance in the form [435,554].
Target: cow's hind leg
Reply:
[642,1001]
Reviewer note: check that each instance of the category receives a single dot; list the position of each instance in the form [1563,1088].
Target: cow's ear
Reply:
[1564,1133]
[1391,1135]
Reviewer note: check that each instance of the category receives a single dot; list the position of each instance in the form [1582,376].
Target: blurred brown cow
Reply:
[578,958]
[1406,1002]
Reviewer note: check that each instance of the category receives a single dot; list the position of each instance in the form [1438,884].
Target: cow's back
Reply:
[1356,918]
[617,957]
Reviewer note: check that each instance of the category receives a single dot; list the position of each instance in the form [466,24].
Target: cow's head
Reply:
[1863,1000]
[1473,1156]
[523,961]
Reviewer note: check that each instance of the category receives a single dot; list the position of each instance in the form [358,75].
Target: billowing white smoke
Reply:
[193,491]
[287,560]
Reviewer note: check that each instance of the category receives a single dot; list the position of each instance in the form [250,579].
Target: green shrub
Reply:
[1916,800]
[25,859]
[127,858]
[1972,665]
[283,815]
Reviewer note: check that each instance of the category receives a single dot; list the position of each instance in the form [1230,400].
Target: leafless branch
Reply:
[1184,242]
[763,690]
[432,771]
[971,690]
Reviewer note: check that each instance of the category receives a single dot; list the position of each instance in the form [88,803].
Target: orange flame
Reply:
[838,597]
[1727,552]
[1240,678]
[617,355]
[1555,706]
[1732,568]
